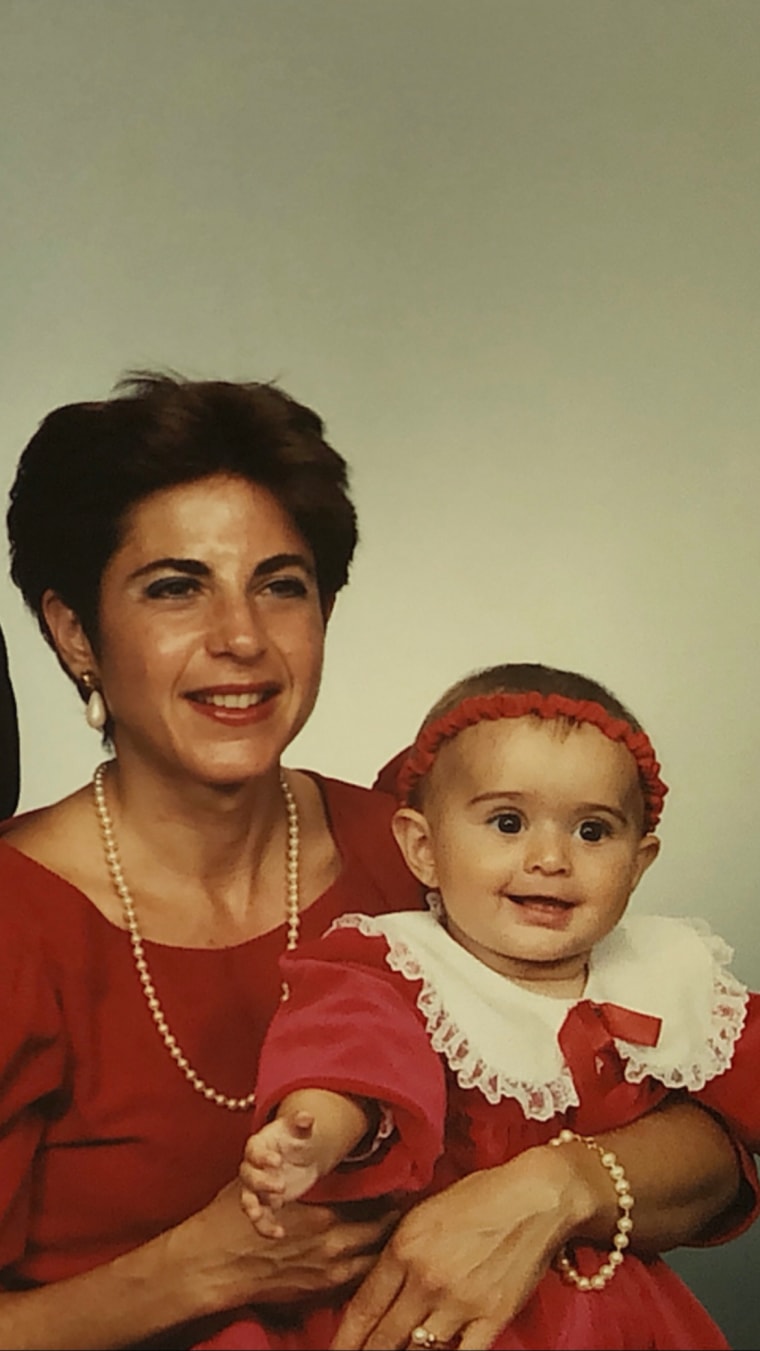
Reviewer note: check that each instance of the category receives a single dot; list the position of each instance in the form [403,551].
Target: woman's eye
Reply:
[171,588]
[287,588]
[507,823]
[593,831]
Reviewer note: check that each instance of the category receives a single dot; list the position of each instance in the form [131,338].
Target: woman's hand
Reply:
[464,1262]
[232,1264]
[210,1263]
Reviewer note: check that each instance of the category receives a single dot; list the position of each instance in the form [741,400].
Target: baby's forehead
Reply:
[509,733]
[542,752]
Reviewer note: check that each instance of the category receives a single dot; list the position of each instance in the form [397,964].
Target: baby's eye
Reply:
[593,831]
[508,823]
[171,588]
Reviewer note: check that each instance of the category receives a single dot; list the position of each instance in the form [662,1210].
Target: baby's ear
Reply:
[414,839]
[649,848]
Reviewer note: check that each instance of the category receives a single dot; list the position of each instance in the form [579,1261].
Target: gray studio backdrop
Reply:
[510,252]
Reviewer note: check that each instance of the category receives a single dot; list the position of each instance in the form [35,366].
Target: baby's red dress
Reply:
[476,1069]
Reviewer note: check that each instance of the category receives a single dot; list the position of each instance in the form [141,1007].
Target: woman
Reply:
[182,545]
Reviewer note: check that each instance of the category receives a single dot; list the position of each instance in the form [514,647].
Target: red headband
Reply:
[481,707]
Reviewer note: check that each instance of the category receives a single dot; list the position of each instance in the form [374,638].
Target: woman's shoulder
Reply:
[354,810]
[34,952]
[33,905]
[40,832]
[40,859]
[354,794]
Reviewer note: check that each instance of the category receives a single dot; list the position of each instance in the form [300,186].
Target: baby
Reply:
[521,1010]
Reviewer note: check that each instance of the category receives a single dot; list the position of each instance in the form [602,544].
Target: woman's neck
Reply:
[205,864]
[197,829]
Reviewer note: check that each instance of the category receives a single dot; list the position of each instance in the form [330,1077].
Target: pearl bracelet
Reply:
[624,1225]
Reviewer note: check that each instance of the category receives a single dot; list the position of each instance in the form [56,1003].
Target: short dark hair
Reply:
[527,678]
[89,463]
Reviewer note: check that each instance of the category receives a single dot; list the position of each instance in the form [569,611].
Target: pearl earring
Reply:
[96,712]
[435,904]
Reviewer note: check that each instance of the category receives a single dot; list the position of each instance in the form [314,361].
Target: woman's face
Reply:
[211,631]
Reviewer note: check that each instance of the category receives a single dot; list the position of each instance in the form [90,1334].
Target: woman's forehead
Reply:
[206,514]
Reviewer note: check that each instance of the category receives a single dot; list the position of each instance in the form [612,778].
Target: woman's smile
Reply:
[235,709]
[235,706]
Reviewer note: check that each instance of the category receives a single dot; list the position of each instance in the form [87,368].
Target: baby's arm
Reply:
[313,1131]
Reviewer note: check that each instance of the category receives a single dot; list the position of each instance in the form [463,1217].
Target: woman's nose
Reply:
[237,628]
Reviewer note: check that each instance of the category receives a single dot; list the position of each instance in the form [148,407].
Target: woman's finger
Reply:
[483,1332]
[378,1291]
[393,1327]
[404,1324]
[438,1330]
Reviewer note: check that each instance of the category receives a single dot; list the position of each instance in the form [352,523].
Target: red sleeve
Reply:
[741,1215]
[735,1097]
[32,1071]
[350,1026]
[735,1094]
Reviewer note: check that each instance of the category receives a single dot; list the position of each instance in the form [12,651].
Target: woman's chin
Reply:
[228,768]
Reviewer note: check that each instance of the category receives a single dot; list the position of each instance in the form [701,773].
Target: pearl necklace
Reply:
[117,877]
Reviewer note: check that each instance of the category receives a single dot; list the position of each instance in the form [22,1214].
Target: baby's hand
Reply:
[278,1166]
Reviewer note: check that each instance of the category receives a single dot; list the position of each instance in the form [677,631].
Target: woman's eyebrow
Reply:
[279,561]
[193,567]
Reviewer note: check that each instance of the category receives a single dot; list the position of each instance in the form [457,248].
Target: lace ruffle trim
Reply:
[539,1102]
[542,1101]
[729,1014]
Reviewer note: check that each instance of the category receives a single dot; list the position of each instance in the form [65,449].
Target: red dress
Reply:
[103,1142]
[476,1070]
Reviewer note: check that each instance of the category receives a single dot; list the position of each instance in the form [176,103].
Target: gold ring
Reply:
[420,1336]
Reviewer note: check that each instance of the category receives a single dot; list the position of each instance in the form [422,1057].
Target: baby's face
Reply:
[535,842]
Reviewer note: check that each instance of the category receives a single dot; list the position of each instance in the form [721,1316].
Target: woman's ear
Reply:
[414,839]
[71,642]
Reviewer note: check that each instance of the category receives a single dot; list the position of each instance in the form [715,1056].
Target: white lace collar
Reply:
[502,1039]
